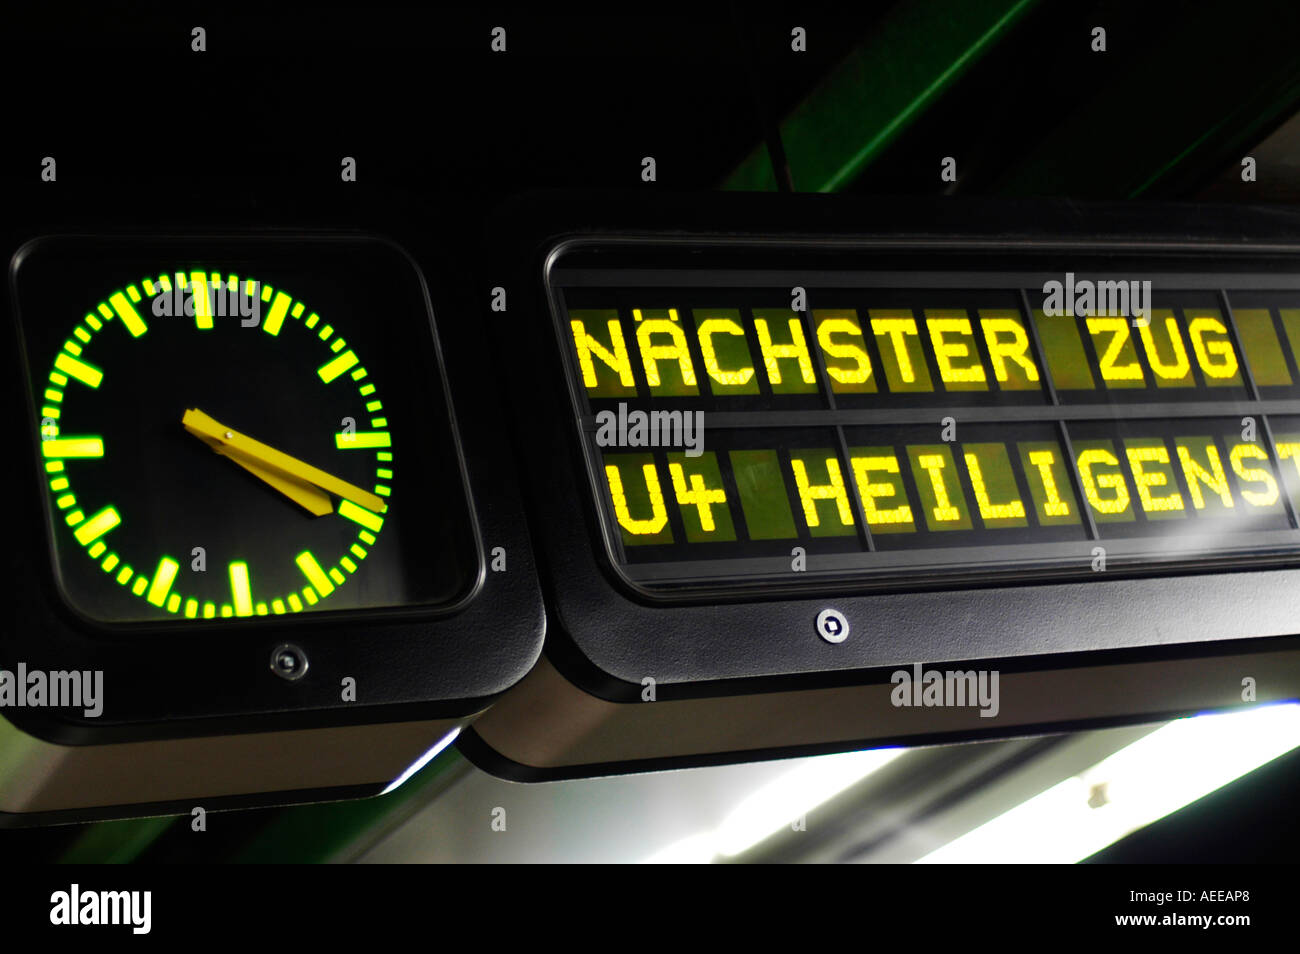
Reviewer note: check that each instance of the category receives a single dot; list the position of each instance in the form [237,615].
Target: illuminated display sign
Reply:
[903,426]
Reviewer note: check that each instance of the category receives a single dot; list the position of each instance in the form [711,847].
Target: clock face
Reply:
[228,437]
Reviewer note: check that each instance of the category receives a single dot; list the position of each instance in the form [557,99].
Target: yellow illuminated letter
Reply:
[1118,327]
[721,326]
[1054,506]
[870,493]
[698,496]
[1175,371]
[1138,457]
[1291,452]
[1089,459]
[945,351]
[832,326]
[1214,478]
[809,494]
[1017,349]
[797,349]
[896,328]
[988,509]
[652,354]
[588,345]
[1216,358]
[1258,498]
[658,511]
[933,465]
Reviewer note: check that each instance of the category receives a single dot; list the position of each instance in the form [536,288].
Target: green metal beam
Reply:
[1208,90]
[115,843]
[920,50]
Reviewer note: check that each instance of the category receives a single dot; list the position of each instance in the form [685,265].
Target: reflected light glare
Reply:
[1141,783]
[695,849]
[795,793]
[423,760]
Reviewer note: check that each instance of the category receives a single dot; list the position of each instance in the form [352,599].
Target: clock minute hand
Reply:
[311,498]
[265,459]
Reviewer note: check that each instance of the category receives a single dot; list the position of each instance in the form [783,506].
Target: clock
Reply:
[218,435]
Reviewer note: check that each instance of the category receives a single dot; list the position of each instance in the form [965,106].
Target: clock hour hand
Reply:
[298,480]
[313,499]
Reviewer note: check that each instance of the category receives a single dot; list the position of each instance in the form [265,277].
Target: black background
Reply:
[145,131]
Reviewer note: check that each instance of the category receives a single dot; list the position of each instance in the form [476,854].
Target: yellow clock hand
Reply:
[265,459]
[313,499]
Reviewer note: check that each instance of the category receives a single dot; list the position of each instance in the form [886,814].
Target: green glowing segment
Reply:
[315,576]
[97,526]
[361,515]
[173,603]
[240,590]
[163,577]
[73,447]
[209,610]
[361,440]
[130,317]
[332,369]
[336,575]
[138,587]
[202,303]
[87,374]
[191,608]
[278,310]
